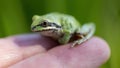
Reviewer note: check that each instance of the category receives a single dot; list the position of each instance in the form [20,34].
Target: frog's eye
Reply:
[44,24]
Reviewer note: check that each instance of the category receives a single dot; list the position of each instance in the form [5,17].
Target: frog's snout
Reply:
[33,28]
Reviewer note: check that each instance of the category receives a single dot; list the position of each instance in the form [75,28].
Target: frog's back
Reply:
[67,22]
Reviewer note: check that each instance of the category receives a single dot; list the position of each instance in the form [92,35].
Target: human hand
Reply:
[35,51]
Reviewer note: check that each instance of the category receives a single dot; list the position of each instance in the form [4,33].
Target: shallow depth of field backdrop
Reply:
[15,18]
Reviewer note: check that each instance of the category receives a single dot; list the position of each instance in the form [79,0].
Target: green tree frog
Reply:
[63,28]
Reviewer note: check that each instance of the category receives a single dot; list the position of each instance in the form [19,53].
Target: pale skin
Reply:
[35,51]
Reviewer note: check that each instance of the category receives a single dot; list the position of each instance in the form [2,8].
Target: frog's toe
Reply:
[77,42]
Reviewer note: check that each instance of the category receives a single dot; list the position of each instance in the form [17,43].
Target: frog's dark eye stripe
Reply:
[46,24]
[54,24]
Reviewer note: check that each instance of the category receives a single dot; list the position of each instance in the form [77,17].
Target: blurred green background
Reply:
[15,18]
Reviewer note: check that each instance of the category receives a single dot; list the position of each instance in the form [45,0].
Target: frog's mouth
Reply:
[38,29]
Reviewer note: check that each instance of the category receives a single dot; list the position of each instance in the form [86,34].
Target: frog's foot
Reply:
[85,33]
[78,42]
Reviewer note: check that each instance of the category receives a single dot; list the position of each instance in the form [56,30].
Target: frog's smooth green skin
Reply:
[62,27]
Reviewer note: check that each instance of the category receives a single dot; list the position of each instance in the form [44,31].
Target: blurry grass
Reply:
[111,26]
[1,27]
[15,18]
[55,6]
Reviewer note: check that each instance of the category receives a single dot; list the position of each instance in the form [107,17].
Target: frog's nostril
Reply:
[33,28]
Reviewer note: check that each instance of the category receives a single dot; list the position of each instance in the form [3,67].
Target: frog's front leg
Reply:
[66,37]
[84,33]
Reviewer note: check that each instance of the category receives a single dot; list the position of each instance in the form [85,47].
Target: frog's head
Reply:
[44,25]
